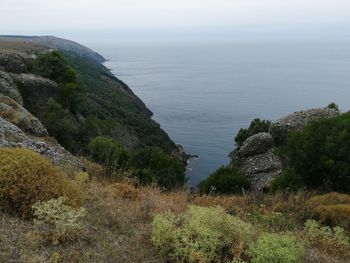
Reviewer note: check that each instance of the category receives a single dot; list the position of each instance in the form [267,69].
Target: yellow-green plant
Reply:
[57,220]
[276,248]
[27,177]
[199,235]
[332,234]
[81,178]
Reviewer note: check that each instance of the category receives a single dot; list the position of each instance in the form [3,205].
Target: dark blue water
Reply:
[202,94]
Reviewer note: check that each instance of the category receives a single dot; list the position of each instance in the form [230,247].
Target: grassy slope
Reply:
[119,225]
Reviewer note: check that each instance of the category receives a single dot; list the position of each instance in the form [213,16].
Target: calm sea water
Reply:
[202,94]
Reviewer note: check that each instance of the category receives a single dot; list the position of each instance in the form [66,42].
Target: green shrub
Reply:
[200,235]
[155,166]
[276,248]
[27,177]
[287,181]
[255,127]
[109,153]
[225,180]
[316,232]
[58,221]
[320,154]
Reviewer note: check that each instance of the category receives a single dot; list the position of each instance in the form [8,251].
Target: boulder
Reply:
[297,121]
[256,144]
[260,163]
[13,62]
[16,114]
[9,88]
[13,136]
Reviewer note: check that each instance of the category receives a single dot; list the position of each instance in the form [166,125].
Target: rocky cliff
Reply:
[256,158]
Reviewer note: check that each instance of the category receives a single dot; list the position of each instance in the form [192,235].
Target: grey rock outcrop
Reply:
[16,114]
[257,161]
[13,62]
[9,88]
[12,136]
[298,121]
[256,144]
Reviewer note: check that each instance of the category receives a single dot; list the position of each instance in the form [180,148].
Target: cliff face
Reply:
[31,106]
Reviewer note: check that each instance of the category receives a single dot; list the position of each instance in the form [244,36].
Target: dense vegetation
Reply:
[318,156]
[94,114]
[153,166]
[91,103]
[225,180]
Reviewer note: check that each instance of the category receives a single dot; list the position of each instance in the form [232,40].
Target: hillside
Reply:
[103,105]
[53,42]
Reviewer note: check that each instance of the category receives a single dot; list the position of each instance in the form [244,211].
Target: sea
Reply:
[202,93]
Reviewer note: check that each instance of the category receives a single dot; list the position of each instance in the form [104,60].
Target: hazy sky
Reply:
[99,17]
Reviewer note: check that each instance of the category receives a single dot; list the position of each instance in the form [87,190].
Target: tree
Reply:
[154,166]
[225,180]
[320,154]
[108,152]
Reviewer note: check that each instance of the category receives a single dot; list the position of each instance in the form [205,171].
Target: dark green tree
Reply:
[320,154]
[109,153]
[225,180]
[154,166]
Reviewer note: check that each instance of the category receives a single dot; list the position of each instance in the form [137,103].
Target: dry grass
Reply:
[119,223]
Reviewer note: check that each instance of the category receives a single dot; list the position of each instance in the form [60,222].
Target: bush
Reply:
[26,178]
[225,180]
[287,181]
[108,152]
[255,127]
[154,166]
[276,248]
[200,235]
[320,154]
[332,240]
[57,220]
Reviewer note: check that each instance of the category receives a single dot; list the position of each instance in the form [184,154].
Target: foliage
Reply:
[256,126]
[319,154]
[81,178]
[287,181]
[54,65]
[276,248]
[335,234]
[91,103]
[200,235]
[273,222]
[225,180]
[333,106]
[155,166]
[108,152]
[26,177]
[57,220]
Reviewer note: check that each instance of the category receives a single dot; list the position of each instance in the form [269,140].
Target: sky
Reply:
[175,18]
